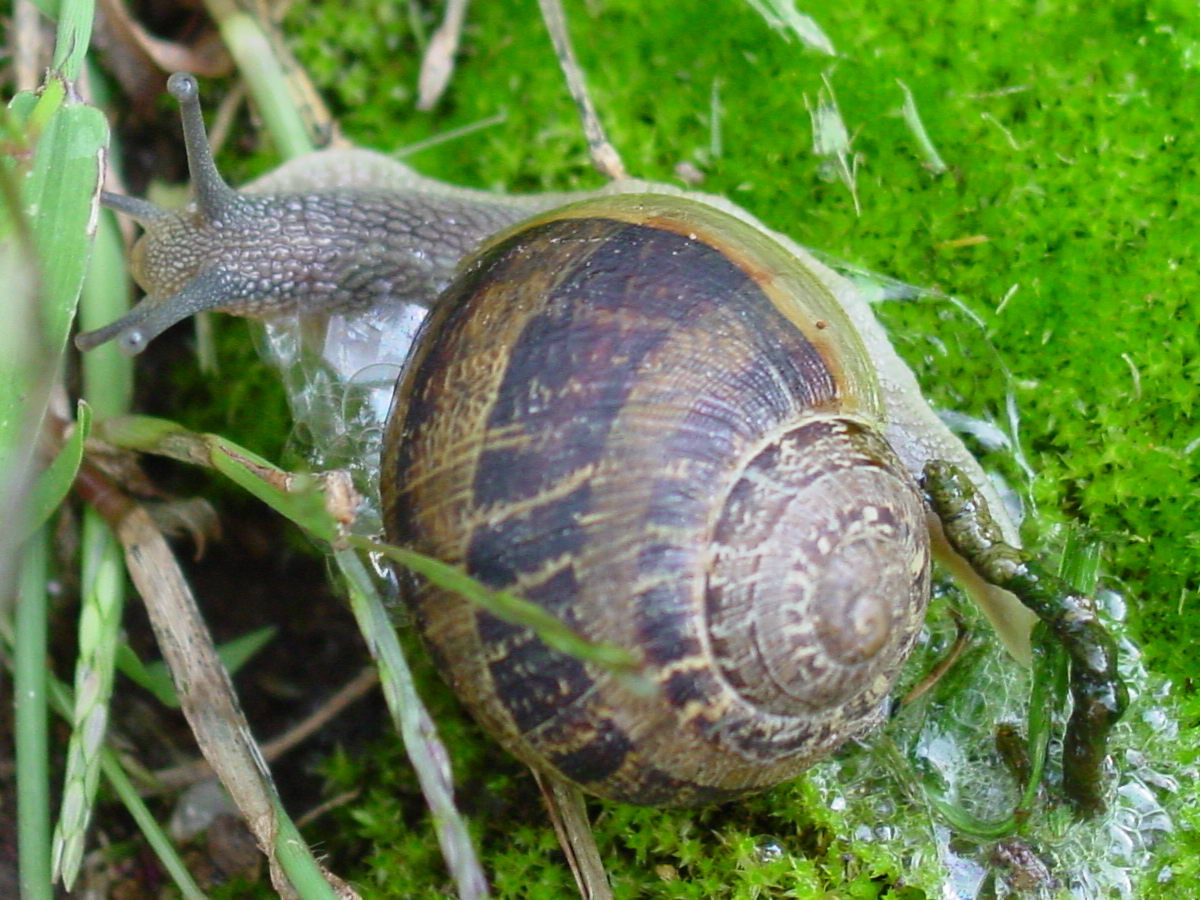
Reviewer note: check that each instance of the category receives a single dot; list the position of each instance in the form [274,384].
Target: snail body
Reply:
[640,409]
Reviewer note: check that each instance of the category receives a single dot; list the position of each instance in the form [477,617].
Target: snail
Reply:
[667,425]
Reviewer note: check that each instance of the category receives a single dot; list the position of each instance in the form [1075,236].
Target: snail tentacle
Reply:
[141,211]
[209,290]
[212,194]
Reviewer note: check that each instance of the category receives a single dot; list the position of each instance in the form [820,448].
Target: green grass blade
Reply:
[236,653]
[514,609]
[912,118]
[155,678]
[24,375]
[158,840]
[298,497]
[265,77]
[53,227]
[416,727]
[74,33]
[33,776]
[152,677]
[53,482]
[107,372]
[61,195]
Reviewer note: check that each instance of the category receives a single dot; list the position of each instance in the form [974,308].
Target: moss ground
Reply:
[1066,218]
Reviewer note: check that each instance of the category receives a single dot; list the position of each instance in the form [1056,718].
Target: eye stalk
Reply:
[150,318]
[131,338]
[212,194]
[141,211]
[178,235]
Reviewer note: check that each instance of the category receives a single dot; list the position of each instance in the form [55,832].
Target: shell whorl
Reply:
[819,577]
[590,419]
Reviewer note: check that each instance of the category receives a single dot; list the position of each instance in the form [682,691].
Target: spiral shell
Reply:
[650,419]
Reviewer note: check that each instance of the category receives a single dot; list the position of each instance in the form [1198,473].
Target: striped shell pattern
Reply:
[650,419]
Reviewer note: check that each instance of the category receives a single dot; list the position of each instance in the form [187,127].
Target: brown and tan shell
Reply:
[649,418]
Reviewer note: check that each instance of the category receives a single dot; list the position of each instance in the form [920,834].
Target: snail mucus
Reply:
[667,425]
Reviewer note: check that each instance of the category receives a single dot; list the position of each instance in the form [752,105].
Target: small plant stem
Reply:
[33,776]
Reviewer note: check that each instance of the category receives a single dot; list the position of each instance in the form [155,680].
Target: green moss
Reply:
[1066,129]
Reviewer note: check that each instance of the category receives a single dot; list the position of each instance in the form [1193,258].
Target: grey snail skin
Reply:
[665,424]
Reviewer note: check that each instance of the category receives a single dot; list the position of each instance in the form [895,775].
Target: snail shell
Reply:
[650,419]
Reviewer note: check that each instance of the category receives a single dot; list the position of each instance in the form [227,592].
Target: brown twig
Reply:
[438,63]
[568,813]
[604,156]
[184,774]
[206,694]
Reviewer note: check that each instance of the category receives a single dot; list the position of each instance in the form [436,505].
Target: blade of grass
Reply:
[256,61]
[61,195]
[107,372]
[156,678]
[912,118]
[158,840]
[72,36]
[29,688]
[50,219]
[299,498]
[53,482]
[22,372]
[514,609]
[415,725]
